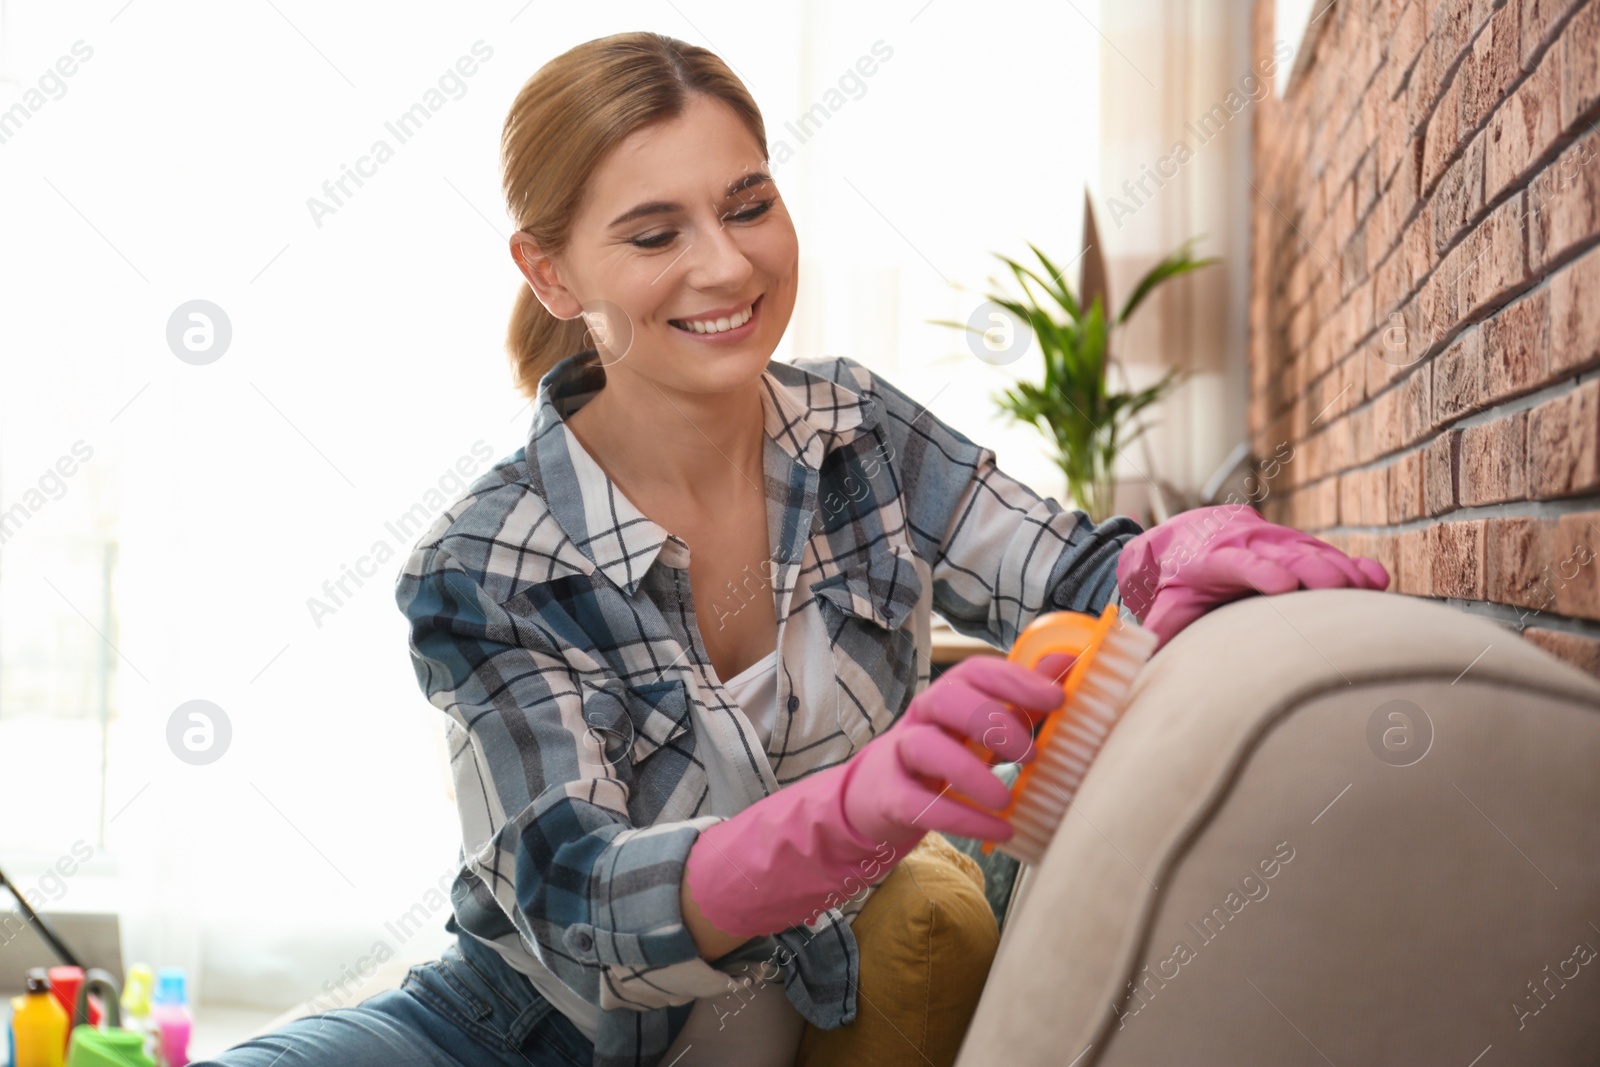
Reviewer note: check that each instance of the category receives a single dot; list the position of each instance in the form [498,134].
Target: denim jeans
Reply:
[465,1008]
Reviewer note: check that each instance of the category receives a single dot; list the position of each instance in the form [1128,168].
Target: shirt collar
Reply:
[805,414]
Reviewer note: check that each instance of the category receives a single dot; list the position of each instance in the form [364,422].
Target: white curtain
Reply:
[254,502]
[1173,167]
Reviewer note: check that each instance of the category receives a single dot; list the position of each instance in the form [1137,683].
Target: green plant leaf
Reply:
[1062,293]
[1058,294]
[1179,262]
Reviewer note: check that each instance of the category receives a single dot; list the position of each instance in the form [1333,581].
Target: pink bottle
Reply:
[169,1011]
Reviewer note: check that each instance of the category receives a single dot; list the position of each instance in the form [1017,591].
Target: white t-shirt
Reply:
[756,690]
[763,1029]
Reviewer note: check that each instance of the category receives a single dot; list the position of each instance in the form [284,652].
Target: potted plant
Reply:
[1087,422]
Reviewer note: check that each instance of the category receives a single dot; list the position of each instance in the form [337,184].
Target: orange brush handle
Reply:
[1075,633]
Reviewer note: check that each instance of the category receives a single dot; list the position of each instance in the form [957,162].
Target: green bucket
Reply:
[111,1047]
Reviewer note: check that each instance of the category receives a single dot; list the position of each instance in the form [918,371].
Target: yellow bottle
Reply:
[40,1026]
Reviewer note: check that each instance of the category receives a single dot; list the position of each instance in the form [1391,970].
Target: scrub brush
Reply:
[1110,653]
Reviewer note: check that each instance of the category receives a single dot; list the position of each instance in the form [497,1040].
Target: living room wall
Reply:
[1425,301]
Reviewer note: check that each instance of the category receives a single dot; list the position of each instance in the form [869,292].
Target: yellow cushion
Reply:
[927,937]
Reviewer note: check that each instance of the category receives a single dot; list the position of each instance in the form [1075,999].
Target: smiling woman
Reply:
[641,825]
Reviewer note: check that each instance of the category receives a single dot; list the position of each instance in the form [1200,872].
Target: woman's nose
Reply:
[718,260]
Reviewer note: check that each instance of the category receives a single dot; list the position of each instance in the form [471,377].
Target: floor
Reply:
[222,1026]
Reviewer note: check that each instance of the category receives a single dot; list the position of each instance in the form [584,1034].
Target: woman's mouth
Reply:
[730,327]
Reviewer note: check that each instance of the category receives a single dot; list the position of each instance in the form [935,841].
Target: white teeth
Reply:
[721,325]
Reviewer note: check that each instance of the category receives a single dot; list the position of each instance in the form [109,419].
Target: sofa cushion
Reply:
[1333,826]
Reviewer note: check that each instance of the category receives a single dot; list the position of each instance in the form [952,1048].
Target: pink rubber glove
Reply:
[1173,573]
[820,840]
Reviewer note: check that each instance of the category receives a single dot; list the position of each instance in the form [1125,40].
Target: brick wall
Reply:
[1425,301]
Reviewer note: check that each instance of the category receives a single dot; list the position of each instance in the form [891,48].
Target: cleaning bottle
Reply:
[64,984]
[40,1025]
[136,993]
[171,1014]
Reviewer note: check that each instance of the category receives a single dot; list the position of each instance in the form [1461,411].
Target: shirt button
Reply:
[582,941]
[794,702]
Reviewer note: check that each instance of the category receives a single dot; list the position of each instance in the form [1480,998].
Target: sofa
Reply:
[1333,827]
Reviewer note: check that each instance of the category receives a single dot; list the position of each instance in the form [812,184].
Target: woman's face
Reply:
[681,222]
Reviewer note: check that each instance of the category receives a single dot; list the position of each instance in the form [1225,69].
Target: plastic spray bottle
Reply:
[171,1014]
[136,993]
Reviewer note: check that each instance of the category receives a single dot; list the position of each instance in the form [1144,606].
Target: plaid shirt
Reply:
[591,740]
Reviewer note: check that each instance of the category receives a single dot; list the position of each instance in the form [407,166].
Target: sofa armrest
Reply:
[1331,824]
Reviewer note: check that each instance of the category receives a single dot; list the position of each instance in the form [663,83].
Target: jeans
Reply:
[467,1007]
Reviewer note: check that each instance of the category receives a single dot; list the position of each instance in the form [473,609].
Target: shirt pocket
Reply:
[630,723]
[866,608]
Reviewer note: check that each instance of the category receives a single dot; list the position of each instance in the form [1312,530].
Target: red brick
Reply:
[1358,313]
[1351,512]
[1575,314]
[1524,127]
[1353,259]
[1385,548]
[1339,450]
[1417,244]
[1563,201]
[1394,137]
[1406,45]
[1516,347]
[1315,507]
[1412,341]
[1539,19]
[1495,61]
[1405,186]
[1416,405]
[1564,444]
[1452,29]
[1498,259]
[1582,652]
[1458,377]
[1494,461]
[1442,139]
[1375,496]
[1442,288]
[1459,196]
[1389,287]
[1575,575]
[1580,64]
[1405,488]
[1423,88]
[1518,552]
[1457,552]
[1439,465]
[1385,425]
[1416,564]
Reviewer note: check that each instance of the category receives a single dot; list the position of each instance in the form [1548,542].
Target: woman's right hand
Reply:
[788,856]
[899,786]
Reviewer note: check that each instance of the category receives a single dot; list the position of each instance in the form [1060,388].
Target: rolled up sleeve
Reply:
[540,752]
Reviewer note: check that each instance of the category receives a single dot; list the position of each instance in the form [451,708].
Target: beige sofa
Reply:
[1334,827]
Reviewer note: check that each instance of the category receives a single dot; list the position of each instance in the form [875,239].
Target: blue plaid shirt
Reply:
[591,740]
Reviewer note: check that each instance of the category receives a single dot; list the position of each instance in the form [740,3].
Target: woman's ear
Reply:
[542,275]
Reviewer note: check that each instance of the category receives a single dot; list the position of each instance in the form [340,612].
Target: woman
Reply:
[682,636]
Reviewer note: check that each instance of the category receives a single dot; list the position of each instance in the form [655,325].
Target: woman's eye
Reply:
[751,212]
[661,240]
[655,241]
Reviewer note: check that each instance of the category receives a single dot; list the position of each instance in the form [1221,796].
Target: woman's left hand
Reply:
[1173,573]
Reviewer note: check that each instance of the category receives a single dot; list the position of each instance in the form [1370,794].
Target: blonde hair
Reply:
[564,121]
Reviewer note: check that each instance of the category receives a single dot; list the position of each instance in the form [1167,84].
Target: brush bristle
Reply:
[1061,766]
